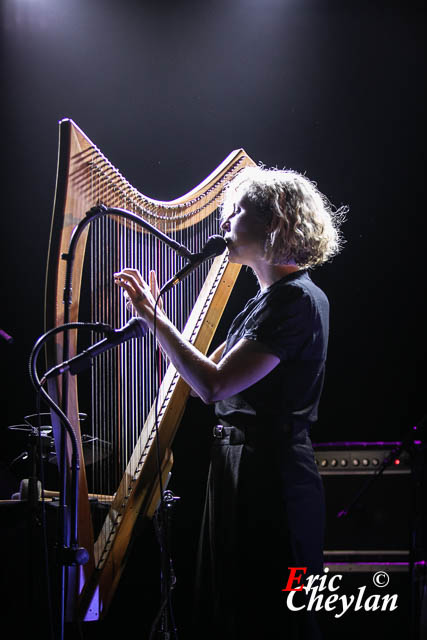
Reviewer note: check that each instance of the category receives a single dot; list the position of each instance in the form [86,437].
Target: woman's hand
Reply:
[212,379]
[142,296]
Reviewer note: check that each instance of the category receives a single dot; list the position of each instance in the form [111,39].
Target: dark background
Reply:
[166,89]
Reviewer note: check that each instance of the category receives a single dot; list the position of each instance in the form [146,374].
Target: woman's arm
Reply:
[215,357]
[212,378]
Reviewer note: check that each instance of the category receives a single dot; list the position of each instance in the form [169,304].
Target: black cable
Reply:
[37,383]
[161,524]
[44,524]
[94,213]
[66,531]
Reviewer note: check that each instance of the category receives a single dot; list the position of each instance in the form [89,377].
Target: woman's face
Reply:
[245,232]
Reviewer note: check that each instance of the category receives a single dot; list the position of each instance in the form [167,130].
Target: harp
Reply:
[119,472]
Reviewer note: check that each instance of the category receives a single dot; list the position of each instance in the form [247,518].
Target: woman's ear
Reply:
[271,224]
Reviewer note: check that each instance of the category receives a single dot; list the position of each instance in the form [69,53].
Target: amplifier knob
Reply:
[324,463]
[343,462]
[355,462]
[365,462]
[334,462]
[375,462]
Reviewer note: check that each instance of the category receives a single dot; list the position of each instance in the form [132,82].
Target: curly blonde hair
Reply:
[302,225]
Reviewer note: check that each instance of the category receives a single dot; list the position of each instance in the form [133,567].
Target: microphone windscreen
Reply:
[137,328]
[215,245]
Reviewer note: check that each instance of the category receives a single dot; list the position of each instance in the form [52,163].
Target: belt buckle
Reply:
[218,431]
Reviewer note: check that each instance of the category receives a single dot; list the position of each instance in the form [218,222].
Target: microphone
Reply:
[5,336]
[215,245]
[135,328]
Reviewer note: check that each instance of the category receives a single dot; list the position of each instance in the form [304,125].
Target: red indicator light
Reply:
[397,461]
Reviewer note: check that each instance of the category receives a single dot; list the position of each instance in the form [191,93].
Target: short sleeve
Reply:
[282,322]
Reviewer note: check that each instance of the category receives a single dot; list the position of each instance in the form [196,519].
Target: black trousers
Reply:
[264,513]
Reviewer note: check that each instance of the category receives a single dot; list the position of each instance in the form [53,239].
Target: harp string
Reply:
[125,379]
[117,437]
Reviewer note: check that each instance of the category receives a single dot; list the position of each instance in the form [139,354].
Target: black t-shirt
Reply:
[290,318]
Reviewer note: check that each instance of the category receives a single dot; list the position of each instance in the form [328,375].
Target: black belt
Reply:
[297,434]
[233,435]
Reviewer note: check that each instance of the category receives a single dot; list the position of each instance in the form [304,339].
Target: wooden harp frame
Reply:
[91,587]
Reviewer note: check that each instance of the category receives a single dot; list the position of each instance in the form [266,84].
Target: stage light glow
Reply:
[31,14]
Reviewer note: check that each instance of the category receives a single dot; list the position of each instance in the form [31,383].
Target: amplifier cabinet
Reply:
[380,507]
[384,531]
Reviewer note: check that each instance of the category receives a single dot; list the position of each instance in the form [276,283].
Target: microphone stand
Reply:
[69,553]
[392,456]
[91,215]
[94,213]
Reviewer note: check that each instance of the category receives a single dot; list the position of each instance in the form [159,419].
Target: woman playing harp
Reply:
[264,504]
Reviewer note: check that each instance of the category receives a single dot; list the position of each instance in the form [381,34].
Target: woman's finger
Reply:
[128,301]
[130,284]
[127,287]
[154,289]
[133,276]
